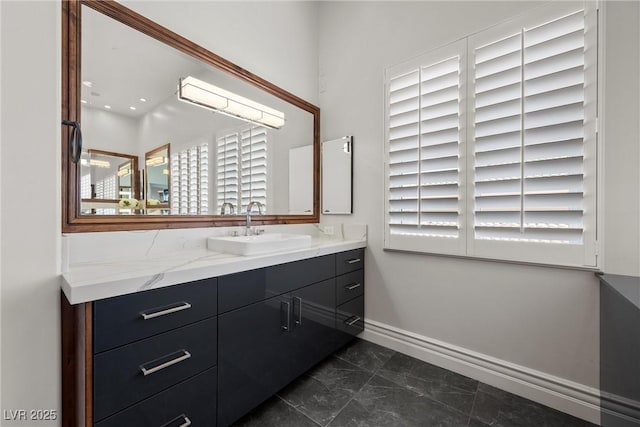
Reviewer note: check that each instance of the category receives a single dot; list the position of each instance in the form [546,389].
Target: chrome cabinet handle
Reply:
[185,421]
[162,311]
[351,322]
[298,321]
[148,371]
[287,316]
[353,261]
[352,287]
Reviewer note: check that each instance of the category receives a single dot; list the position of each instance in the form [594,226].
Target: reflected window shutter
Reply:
[190,181]
[227,171]
[203,174]
[529,98]
[174,200]
[424,142]
[253,168]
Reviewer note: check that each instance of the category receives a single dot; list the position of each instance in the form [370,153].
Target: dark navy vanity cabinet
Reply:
[152,348]
[207,352]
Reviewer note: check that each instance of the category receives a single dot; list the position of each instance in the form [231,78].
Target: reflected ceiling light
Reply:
[83,101]
[132,108]
[124,172]
[108,107]
[212,97]
[155,161]
[99,163]
[87,83]
[165,171]
[143,100]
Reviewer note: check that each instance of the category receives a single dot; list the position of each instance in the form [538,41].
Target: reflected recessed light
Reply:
[83,101]
[87,83]
[143,100]
[108,107]
[132,108]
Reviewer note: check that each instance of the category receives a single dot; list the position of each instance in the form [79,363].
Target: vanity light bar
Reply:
[155,161]
[124,172]
[99,163]
[212,97]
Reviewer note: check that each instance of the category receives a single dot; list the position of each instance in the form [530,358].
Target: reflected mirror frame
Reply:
[133,160]
[147,155]
[72,221]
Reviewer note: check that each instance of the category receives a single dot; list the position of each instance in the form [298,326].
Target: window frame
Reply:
[584,256]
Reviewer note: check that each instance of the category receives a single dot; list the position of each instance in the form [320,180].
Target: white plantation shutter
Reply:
[424,138]
[227,171]
[190,181]
[533,97]
[253,168]
[526,190]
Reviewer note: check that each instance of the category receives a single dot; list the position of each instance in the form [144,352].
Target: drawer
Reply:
[131,373]
[128,318]
[350,316]
[349,286]
[191,401]
[349,261]
[248,287]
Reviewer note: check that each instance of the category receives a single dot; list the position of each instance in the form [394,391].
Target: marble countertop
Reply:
[627,286]
[92,281]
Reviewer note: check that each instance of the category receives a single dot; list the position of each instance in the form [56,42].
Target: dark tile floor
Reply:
[366,385]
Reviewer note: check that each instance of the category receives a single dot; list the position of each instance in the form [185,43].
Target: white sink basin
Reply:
[263,243]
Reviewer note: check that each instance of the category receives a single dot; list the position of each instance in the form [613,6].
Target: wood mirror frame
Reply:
[147,181]
[72,220]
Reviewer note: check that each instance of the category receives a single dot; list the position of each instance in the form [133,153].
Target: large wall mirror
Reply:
[195,137]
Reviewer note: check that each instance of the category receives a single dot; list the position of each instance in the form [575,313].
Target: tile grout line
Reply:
[298,411]
[373,374]
[351,398]
[473,405]
[432,399]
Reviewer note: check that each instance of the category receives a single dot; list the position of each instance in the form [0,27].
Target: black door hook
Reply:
[75,142]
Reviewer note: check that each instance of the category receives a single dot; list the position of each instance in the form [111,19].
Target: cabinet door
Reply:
[254,356]
[314,321]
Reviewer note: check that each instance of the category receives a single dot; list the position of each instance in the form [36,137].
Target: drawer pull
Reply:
[351,322]
[298,321]
[352,287]
[162,311]
[183,421]
[148,371]
[353,261]
[287,315]
[180,421]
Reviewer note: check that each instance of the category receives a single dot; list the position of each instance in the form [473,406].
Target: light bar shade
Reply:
[155,161]
[212,97]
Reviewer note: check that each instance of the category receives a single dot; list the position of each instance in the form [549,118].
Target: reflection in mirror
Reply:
[106,178]
[337,158]
[230,140]
[300,179]
[157,177]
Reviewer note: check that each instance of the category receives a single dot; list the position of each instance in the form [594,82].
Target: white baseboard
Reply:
[567,396]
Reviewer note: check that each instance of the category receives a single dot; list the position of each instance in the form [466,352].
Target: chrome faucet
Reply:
[247,230]
[224,206]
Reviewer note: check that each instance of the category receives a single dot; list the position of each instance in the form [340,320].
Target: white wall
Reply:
[30,198]
[107,131]
[538,318]
[622,138]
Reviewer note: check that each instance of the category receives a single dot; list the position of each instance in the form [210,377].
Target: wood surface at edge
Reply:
[76,361]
